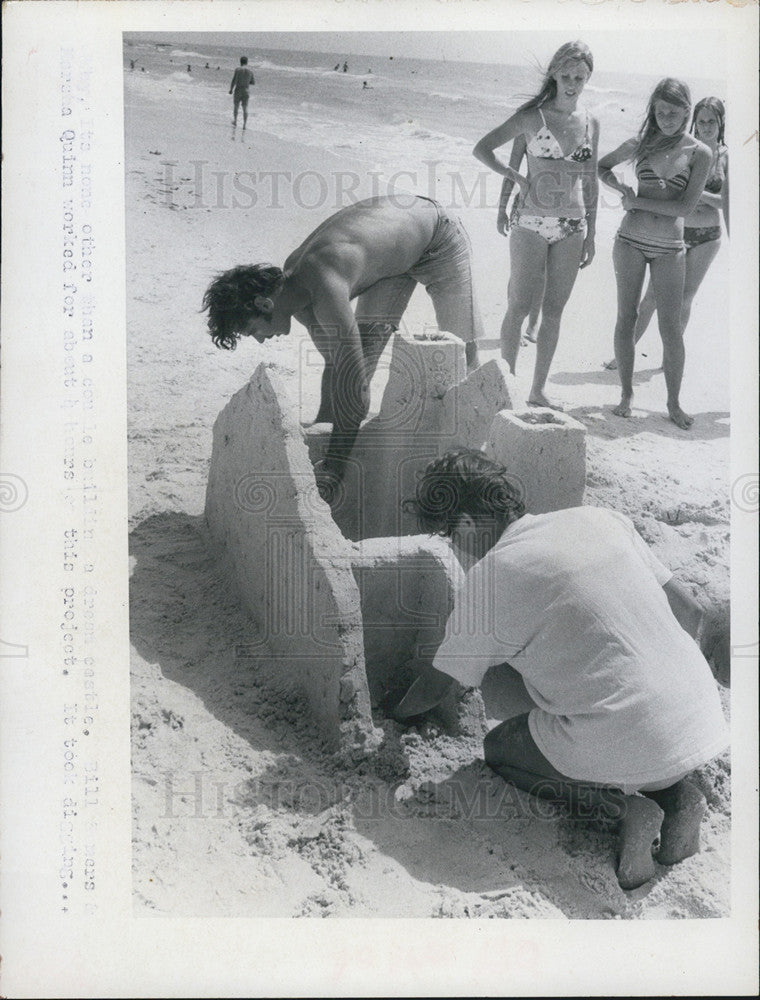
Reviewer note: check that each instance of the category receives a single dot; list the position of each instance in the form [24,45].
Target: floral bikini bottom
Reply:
[551,228]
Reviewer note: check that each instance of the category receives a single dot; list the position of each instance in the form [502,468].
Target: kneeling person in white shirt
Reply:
[604,638]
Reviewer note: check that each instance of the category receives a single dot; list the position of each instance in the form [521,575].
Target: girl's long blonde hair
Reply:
[570,51]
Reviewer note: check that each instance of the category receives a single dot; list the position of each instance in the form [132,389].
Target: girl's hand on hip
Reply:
[629,200]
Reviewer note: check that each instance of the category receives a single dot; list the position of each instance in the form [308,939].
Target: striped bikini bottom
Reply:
[651,249]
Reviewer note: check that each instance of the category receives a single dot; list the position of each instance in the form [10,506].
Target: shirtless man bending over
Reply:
[374,251]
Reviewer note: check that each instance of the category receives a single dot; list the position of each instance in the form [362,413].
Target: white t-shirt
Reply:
[573,600]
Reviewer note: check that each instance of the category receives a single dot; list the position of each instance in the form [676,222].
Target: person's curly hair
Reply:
[229,299]
[463,482]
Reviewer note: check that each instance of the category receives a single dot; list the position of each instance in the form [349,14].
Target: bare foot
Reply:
[684,807]
[639,827]
[623,409]
[679,418]
[539,399]
[531,334]
[610,365]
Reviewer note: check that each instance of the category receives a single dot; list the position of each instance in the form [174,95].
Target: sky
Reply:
[695,53]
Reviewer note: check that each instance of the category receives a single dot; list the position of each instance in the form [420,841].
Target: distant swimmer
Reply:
[131,64]
[336,67]
[189,68]
[242,79]
[345,67]
[375,251]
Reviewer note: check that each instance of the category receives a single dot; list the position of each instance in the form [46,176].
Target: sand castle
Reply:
[346,596]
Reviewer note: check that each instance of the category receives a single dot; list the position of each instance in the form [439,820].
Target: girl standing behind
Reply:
[552,231]
[671,167]
[701,230]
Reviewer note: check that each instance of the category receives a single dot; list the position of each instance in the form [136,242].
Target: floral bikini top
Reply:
[544,145]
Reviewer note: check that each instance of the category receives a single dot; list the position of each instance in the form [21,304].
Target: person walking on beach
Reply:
[671,168]
[701,230]
[375,251]
[552,229]
[242,79]
[613,653]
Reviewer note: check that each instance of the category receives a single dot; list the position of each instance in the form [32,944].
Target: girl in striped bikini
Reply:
[671,168]
[701,231]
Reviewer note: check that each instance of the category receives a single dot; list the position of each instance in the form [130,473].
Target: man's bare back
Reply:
[365,242]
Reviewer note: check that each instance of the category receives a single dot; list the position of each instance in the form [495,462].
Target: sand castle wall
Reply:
[291,563]
[352,599]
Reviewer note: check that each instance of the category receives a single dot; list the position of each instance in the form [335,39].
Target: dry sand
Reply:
[238,809]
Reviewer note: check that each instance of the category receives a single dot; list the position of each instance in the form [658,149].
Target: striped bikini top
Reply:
[544,145]
[677,182]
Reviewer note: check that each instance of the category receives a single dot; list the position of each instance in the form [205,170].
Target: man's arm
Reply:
[712,635]
[335,324]
[234,78]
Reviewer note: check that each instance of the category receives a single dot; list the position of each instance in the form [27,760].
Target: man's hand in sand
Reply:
[430,688]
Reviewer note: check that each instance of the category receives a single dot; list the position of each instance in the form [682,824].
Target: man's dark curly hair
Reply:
[229,299]
[463,482]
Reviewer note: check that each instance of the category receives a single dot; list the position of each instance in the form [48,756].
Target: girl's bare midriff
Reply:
[556,188]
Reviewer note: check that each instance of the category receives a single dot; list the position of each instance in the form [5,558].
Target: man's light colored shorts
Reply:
[445,269]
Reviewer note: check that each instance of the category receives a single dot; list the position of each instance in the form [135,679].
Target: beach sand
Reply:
[239,811]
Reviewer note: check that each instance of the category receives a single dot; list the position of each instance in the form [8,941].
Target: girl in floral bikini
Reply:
[671,168]
[701,230]
[552,226]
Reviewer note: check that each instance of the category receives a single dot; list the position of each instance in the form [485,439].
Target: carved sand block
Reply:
[291,564]
[407,589]
[470,406]
[545,452]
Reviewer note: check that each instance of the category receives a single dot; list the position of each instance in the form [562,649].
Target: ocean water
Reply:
[413,111]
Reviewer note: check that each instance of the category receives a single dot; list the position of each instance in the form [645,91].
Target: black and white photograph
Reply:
[397,431]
